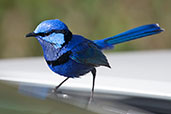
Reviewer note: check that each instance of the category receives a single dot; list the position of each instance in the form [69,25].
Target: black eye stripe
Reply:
[52,31]
[67,35]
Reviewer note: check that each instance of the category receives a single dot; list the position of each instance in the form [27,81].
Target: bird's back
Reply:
[87,52]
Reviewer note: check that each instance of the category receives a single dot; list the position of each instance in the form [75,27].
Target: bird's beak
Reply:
[32,34]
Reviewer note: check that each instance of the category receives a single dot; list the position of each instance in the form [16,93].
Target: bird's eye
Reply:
[44,34]
[52,31]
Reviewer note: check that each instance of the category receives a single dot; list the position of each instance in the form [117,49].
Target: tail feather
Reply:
[132,34]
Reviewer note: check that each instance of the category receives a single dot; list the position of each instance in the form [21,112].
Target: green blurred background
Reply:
[94,19]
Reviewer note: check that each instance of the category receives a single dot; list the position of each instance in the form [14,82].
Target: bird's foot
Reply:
[90,100]
[54,90]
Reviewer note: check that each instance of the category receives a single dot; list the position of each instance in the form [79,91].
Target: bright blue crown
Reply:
[49,25]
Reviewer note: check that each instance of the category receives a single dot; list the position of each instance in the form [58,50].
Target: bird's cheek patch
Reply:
[56,38]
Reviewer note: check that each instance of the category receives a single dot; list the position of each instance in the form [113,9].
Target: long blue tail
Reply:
[132,34]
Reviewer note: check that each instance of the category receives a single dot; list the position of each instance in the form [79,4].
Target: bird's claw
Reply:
[54,90]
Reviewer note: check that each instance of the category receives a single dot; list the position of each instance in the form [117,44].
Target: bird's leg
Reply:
[60,84]
[92,91]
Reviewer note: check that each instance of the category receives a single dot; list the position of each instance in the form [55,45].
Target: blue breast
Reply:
[70,68]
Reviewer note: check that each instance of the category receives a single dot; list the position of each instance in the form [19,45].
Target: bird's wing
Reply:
[88,53]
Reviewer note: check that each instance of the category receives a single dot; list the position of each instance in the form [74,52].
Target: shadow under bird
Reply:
[72,55]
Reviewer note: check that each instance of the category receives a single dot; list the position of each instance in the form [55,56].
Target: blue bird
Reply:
[72,55]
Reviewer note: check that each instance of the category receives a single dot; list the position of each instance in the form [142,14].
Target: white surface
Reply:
[145,74]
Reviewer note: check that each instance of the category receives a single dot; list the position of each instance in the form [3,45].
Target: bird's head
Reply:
[54,32]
